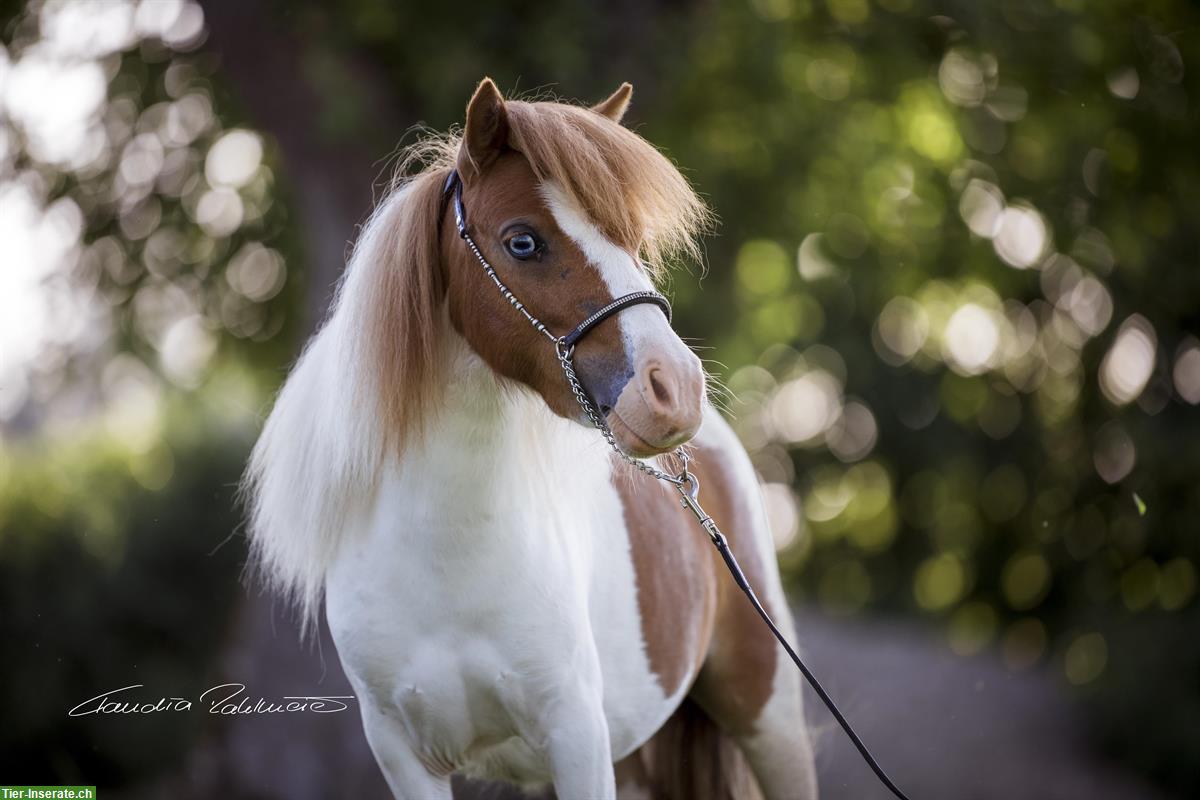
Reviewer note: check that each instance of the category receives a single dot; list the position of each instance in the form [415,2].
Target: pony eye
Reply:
[523,245]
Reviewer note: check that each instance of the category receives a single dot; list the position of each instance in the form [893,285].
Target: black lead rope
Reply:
[685,483]
[688,487]
[739,578]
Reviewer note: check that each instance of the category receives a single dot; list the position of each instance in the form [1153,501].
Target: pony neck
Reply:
[487,428]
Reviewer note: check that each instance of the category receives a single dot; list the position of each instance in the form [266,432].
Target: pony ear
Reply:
[614,107]
[487,130]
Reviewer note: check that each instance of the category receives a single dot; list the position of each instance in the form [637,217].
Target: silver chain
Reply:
[565,352]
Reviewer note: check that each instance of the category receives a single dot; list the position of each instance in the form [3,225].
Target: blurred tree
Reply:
[960,315]
[144,295]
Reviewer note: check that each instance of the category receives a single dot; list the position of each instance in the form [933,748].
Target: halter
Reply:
[685,482]
[564,346]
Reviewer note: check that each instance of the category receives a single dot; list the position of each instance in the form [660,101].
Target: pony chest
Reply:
[462,637]
[466,610]
[434,584]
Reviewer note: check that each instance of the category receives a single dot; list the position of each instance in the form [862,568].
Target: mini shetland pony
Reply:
[510,600]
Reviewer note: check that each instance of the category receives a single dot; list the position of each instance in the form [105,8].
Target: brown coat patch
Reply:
[739,673]
[676,586]
[693,615]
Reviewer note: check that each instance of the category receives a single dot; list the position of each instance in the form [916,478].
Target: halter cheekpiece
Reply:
[454,187]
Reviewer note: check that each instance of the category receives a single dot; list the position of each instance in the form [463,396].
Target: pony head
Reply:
[573,210]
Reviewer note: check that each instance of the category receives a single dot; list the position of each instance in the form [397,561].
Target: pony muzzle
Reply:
[660,407]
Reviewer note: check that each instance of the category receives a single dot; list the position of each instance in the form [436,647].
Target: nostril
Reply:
[662,392]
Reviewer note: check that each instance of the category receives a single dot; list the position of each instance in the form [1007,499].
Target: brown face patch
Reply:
[739,672]
[558,286]
[676,589]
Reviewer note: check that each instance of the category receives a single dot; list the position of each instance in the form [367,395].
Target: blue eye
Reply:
[523,245]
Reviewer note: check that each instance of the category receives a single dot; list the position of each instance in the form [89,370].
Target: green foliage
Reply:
[926,167]
[106,583]
[145,268]
[142,220]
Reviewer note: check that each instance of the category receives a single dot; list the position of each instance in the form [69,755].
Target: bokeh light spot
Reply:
[901,330]
[1186,373]
[971,340]
[851,12]
[1086,658]
[187,348]
[804,408]
[981,207]
[811,262]
[1129,363]
[1025,580]
[1114,454]
[939,582]
[220,211]
[782,513]
[1139,585]
[1124,83]
[1176,583]
[971,628]
[1022,236]
[233,159]
[961,78]
[256,272]
[853,437]
[830,79]
[762,268]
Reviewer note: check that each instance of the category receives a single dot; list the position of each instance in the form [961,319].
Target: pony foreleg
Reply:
[406,776]
[780,750]
[579,751]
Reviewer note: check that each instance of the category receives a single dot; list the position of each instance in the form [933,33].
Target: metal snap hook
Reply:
[564,350]
[688,485]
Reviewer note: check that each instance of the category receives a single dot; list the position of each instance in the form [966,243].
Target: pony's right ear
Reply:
[486,133]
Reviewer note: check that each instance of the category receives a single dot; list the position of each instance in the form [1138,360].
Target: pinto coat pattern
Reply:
[509,599]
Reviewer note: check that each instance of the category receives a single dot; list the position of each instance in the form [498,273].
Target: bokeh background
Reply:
[954,297]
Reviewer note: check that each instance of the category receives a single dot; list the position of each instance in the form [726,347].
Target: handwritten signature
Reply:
[225,699]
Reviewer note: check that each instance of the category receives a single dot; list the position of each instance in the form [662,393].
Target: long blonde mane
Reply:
[366,382]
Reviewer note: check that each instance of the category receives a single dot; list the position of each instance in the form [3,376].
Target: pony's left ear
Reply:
[486,133]
[614,107]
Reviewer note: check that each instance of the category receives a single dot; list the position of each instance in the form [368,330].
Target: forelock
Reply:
[629,190]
